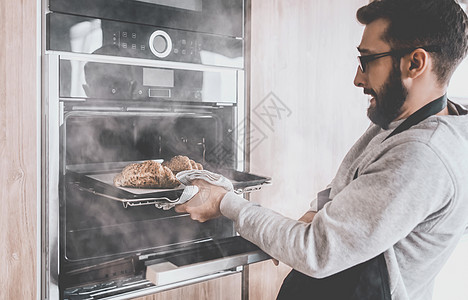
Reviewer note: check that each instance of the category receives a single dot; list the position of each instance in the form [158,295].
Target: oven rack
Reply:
[158,202]
[164,203]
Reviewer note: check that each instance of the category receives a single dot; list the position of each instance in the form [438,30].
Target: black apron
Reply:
[368,280]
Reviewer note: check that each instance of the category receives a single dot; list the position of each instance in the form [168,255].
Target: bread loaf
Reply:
[148,174]
[181,163]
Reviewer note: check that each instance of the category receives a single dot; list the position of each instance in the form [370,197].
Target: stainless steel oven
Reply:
[117,93]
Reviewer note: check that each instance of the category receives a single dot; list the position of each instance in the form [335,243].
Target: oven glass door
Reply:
[221,17]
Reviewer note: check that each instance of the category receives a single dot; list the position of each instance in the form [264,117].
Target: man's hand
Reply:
[205,204]
[306,218]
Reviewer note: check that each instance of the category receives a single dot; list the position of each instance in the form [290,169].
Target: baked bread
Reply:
[148,174]
[181,163]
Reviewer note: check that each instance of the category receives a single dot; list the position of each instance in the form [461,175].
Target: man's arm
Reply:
[372,213]
[383,205]
[306,218]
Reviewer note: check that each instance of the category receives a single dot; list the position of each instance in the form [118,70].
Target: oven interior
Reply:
[116,137]
[99,227]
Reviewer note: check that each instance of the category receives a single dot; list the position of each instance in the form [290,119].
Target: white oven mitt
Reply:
[186,178]
[187,194]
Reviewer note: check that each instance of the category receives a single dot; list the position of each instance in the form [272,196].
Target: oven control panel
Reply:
[87,35]
[161,43]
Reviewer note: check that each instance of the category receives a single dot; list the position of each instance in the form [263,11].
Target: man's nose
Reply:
[359,79]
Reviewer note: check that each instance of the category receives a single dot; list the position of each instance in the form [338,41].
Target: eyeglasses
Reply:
[364,60]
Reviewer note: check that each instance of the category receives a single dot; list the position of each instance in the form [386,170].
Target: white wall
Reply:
[452,281]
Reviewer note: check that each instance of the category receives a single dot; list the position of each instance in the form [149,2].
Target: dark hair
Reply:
[415,23]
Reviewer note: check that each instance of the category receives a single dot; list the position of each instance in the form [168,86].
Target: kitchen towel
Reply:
[186,178]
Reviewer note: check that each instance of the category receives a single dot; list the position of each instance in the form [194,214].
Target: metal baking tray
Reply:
[98,179]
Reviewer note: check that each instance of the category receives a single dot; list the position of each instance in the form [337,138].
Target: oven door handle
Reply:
[166,272]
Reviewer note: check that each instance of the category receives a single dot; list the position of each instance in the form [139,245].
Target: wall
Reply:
[304,53]
[450,283]
[18,143]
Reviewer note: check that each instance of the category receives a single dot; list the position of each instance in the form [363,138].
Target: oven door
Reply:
[156,272]
[206,16]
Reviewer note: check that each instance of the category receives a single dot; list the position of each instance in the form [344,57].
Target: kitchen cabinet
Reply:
[19,149]
[226,288]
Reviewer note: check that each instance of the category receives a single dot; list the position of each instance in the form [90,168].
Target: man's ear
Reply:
[417,63]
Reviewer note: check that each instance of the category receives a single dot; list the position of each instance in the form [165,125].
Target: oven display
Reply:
[158,77]
[195,5]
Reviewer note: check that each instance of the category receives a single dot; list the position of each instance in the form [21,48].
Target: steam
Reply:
[97,138]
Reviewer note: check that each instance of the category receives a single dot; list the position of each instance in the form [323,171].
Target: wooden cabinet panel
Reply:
[265,280]
[305,111]
[226,288]
[18,144]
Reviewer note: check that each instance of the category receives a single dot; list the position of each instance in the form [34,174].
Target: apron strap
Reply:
[421,114]
[430,109]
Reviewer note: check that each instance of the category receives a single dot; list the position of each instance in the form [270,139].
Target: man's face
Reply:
[382,78]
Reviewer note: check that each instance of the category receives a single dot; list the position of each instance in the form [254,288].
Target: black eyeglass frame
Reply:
[365,59]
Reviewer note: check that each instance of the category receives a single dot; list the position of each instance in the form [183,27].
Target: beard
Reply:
[388,102]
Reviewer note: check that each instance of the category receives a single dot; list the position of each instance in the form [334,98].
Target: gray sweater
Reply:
[410,201]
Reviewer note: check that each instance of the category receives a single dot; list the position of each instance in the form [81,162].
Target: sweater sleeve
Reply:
[383,205]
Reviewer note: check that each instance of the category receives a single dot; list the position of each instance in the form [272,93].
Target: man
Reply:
[399,202]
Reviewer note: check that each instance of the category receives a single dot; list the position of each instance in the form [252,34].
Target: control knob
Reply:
[160,43]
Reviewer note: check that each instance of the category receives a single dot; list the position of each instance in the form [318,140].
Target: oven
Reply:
[117,93]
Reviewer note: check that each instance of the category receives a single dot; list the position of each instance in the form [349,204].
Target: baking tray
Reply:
[98,179]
